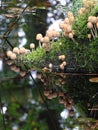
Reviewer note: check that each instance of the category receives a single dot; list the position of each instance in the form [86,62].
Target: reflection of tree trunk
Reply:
[51,119]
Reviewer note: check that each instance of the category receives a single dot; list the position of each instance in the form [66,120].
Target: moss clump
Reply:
[77,42]
[37,55]
[80,26]
[93,57]
[34,59]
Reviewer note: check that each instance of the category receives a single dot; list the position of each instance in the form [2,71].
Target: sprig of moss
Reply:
[80,26]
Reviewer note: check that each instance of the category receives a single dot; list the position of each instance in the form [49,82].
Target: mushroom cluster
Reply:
[45,41]
[51,92]
[89,3]
[60,50]
[13,60]
[64,99]
[66,25]
[93,26]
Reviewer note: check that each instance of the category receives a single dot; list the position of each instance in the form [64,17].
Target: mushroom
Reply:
[39,37]
[50,65]
[70,35]
[9,53]
[90,26]
[89,36]
[9,62]
[22,50]
[16,50]
[61,66]
[61,57]
[13,56]
[95,79]
[32,46]
[22,73]
[46,39]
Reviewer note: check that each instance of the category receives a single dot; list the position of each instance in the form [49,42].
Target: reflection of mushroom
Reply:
[61,66]
[71,113]
[9,62]
[61,57]
[22,73]
[13,67]
[46,92]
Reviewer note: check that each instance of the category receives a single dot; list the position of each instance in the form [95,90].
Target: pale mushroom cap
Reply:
[66,20]
[94,19]
[70,35]
[80,12]
[50,65]
[16,50]
[89,25]
[32,45]
[57,34]
[89,18]
[39,36]
[46,39]
[44,45]
[94,79]
[9,53]
[54,33]
[61,24]
[13,56]
[71,19]
[89,36]
[70,14]
[97,24]
[27,51]
[49,33]
[68,28]
[22,50]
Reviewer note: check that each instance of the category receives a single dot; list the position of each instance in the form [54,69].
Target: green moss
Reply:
[80,26]
[94,10]
[37,55]
[34,59]
[93,49]
[79,51]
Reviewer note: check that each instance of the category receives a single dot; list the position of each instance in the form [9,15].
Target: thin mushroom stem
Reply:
[95,30]
[92,33]
[40,44]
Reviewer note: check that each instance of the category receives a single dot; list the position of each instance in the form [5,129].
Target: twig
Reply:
[16,20]
[8,42]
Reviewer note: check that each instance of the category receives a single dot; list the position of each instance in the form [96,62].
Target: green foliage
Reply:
[80,26]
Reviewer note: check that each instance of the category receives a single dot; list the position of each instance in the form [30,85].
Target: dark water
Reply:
[50,102]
